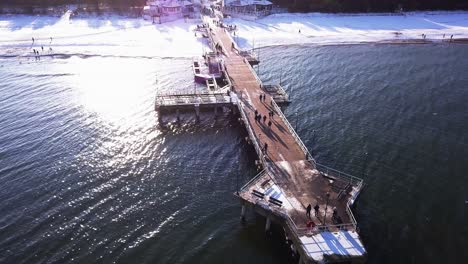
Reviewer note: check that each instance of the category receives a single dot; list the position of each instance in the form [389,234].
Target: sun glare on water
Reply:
[111,88]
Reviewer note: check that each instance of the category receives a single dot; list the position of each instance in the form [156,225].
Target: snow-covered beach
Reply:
[120,36]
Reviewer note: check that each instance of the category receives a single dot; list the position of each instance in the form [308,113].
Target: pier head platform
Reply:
[311,201]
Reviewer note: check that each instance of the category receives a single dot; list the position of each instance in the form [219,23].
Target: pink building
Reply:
[160,11]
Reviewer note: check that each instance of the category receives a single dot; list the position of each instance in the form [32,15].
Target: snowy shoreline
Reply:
[122,36]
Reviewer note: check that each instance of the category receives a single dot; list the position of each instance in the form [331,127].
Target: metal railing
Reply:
[259,175]
[250,132]
[339,174]
[254,73]
[190,99]
[293,133]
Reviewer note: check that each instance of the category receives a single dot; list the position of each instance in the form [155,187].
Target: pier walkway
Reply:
[291,179]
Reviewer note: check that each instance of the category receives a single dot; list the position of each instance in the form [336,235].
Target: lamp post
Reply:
[326,208]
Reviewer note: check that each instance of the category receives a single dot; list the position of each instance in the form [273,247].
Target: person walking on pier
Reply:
[256,112]
[264,118]
[316,210]
[309,208]
[269,124]
[335,213]
[265,147]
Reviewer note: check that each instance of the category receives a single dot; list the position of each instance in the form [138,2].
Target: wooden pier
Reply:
[291,179]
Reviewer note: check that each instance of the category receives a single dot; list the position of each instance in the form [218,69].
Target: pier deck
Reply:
[291,176]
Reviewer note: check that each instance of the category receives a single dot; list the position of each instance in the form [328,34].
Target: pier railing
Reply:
[293,133]
[251,133]
[246,186]
[339,174]
[254,73]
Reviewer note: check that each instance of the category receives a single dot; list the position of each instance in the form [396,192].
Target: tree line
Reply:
[292,5]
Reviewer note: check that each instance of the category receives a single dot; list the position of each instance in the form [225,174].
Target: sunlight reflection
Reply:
[112,88]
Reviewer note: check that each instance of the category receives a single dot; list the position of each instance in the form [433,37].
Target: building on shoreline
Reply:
[247,9]
[160,11]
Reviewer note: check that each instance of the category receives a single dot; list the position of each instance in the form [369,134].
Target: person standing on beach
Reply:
[32,40]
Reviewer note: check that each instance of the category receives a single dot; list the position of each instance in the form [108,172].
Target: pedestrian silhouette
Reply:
[316,209]
[309,208]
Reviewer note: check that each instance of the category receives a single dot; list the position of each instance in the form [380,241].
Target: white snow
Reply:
[120,36]
[319,28]
[342,244]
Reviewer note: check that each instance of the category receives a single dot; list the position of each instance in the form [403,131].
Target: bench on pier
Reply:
[275,201]
[258,194]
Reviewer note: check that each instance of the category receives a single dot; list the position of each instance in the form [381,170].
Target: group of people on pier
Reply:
[336,219]
[262,119]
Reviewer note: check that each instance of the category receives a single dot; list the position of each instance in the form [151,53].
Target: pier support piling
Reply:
[301,259]
[268,224]
[178,114]
[197,112]
[243,213]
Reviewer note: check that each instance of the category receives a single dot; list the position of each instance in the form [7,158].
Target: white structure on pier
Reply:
[247,9]
[167,10]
